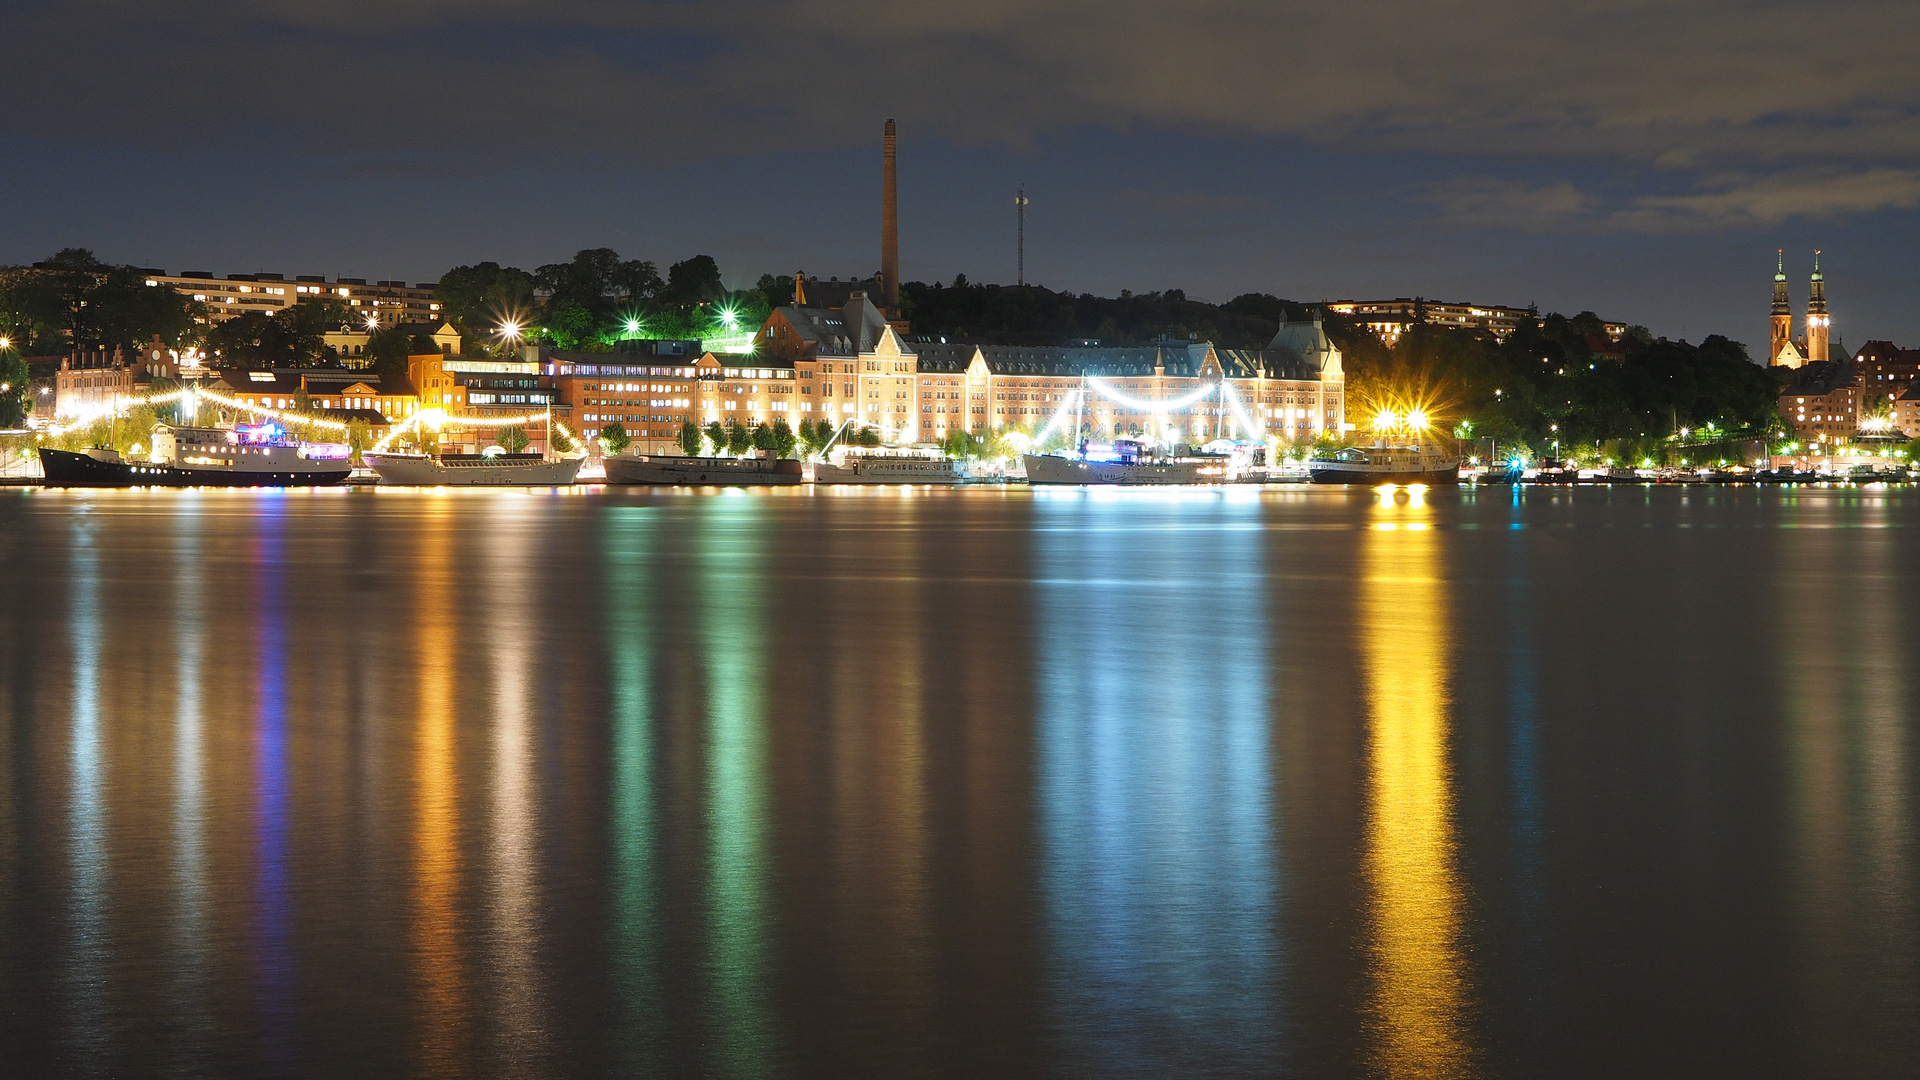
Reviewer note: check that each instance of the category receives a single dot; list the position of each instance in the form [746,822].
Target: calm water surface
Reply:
[974,783]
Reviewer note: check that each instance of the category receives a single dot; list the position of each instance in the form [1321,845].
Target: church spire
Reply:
[1782,333]
[1817,321]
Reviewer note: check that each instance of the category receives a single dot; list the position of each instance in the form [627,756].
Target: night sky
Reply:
[1641,158]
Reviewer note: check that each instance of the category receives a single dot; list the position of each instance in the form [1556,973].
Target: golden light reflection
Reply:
[436,864]
[519,1022]
[879,794]
[1419,992]
[1848,710]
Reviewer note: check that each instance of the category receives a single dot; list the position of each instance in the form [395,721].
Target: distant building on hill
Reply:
[1388,319]
[381,303]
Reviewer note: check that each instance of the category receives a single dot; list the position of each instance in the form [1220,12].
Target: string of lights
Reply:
[1123,398]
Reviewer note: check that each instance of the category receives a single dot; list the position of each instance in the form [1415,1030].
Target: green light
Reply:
[633,326]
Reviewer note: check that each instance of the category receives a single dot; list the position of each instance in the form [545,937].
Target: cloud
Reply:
[1510,204]
[1738,202]
[1696,88]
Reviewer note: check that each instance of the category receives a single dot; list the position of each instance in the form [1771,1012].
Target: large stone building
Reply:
[1295,389]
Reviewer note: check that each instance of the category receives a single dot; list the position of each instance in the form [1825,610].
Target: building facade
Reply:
[380,303]
[1822,403]
[1388,319]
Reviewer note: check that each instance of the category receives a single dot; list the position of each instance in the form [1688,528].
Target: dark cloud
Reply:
[1378,145]
[1692,85]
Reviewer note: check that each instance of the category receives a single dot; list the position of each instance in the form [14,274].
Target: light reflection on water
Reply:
[437,945]
[1155,789]
[993,782]
[735,639]
[1420,983]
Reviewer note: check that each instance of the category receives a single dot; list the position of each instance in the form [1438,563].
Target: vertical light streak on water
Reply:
[520,1022]
[443,1030]
[1419,994]
[878,792]
[189,966]
[272,946]
[735,644]
[1159,856]
[85,970]
[628,550]
[1849,700]
[1523,778]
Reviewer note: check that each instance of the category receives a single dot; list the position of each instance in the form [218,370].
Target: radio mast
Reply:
[1020,236]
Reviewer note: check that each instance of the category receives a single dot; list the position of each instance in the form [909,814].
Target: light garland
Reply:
[1239,410]
[1059,415]
[1158,408]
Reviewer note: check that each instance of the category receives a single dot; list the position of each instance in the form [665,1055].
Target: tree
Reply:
[689,438]
[693,281]
[739,437]
[73,299]
[359,437]
[14,378]
[296,337]
[958,445]
[783,438]
[716,436]
[869,435]
[477,299]
[614,439]
[512,438]
[763,439]
[387,352]
[558,438]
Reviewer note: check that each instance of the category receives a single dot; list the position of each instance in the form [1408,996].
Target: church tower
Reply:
[1817,315]
[1782,311]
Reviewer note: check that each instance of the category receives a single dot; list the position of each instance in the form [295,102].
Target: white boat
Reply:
[245,456]
[1386,462]
[471,470]
[898,468]
[1126,462]
[701,470]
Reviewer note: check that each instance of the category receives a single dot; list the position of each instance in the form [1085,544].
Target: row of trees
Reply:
[74,297]
[1033,315]
[1543,383]
[598,299]
[778,439]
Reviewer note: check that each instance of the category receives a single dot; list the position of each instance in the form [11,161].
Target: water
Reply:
[971,783]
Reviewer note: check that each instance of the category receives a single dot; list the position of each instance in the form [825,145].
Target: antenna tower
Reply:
[1020,236]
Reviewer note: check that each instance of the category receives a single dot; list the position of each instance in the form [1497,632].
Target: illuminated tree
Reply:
[689,438]
[716,436]
[614,439]
[512,438]
[739,438]
[783,438]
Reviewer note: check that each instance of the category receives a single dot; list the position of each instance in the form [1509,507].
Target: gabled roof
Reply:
[1820,378]
[845,332]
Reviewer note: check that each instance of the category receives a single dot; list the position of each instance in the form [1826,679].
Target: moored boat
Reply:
[1126,462]
[471,470]
[1386,463]
[256,456]
[883,468]
[701,470]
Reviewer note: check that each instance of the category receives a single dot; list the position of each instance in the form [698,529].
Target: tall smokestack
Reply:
[890,230]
